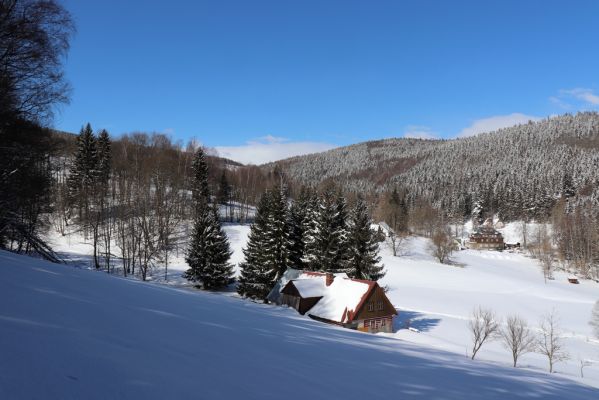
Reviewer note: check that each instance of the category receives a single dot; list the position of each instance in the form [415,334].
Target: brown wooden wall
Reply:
[377,297]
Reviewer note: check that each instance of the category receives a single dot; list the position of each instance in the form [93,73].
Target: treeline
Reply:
[132,197]
[316,232]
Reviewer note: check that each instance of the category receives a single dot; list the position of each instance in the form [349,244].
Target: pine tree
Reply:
[200,188]
[224,189]
[82,176]
[209,253]
[363,247]
[298,213]
[83,170]
[278,230]
[104,158]
[340,245]
[258,275]
[310,232]
[326,244]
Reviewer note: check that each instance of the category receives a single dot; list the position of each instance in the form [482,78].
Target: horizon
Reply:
[272,80]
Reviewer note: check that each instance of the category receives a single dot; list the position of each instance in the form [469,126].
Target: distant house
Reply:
[486,238]
[337,299]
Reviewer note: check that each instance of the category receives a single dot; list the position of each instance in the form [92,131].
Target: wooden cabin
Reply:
[337,299]
[302,294]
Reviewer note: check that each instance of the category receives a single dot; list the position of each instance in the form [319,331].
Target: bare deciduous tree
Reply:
[517,337]
[442,245]
[483,326]
[550,343]
[395,242]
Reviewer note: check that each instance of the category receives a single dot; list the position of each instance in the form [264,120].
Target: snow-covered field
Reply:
[436,299]
[68,333]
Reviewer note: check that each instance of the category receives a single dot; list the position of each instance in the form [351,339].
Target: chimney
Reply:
[329,278]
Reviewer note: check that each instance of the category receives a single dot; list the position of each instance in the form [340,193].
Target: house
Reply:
[337,299]
[303,294]
[486,238]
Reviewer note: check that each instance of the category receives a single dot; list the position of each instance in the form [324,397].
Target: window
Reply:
[371,306]
[366,323]
[379,305]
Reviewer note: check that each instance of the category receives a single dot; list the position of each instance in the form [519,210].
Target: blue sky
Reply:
[268,79]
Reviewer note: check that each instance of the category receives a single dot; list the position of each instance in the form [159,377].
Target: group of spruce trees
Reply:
[88,179]
[315,232]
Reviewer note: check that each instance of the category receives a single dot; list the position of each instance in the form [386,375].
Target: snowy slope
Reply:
[438,299]
[67,333]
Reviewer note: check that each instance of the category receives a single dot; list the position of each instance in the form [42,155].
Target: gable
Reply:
[375,304]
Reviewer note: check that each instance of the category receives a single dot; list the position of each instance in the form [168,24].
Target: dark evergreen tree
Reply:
[200,188]
[309,229]
[83,172]
[224,189]
[104,158]
[340,240]
[258,274]
[363,247]
[209,253]
[278,230]
[326,235]
[298,213]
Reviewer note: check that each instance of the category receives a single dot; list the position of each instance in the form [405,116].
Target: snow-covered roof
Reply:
[311,287]
[275,294]
[341,299]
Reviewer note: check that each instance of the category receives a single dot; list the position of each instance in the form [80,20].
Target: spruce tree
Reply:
[209,252]
[200,188]
[340,245]
[224,189]
[83,170]
[363,247]
[104,158]
[310,232]
[278,230]
[298,213]
[326,244]
[258,275]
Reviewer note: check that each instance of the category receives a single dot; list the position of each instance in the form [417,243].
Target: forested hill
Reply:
[518,172]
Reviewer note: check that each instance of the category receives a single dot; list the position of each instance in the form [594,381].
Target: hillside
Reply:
[70,334]
[516,172]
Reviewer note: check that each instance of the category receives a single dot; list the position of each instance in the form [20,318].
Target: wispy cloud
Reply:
[575,98]
[270,148]
[495,122]
[419,132]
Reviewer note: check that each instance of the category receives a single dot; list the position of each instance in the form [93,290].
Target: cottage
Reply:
[303,294]
[337,299]
[486,238]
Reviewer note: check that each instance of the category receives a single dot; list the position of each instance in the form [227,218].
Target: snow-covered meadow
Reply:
[436,300]
[68,333]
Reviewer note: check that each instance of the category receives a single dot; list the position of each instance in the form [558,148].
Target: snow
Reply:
[69,333]
[438,299]
[310,287]
[340,298]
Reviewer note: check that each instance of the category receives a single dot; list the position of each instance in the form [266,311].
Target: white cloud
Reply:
[582,96]
[496,122]
[419,132]
[270,148]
